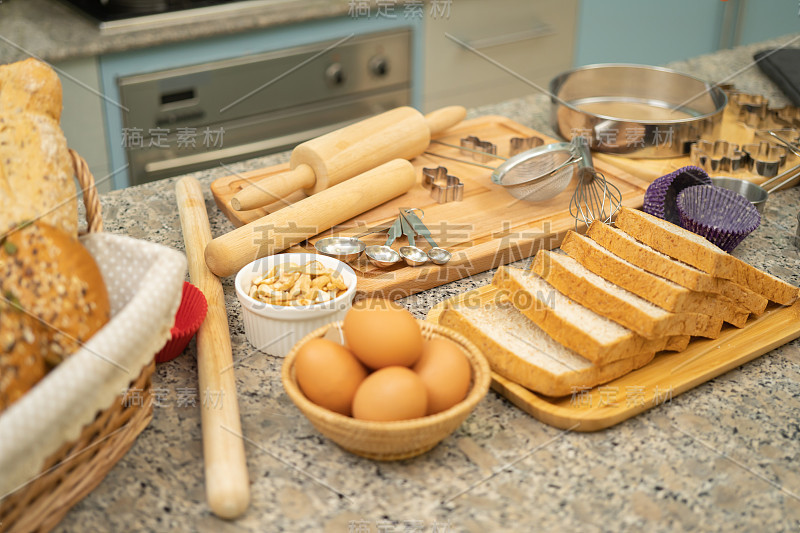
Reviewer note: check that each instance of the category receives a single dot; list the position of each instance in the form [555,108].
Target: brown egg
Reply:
[382,333]
[391,393]
[328,374]
[446,373]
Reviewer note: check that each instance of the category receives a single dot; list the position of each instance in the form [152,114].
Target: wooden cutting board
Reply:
[484,230]
[667,376]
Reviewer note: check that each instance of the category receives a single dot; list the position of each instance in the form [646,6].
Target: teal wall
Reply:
[655,32]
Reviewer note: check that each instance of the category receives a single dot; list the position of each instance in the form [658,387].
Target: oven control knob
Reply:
[379,66]
[334,74]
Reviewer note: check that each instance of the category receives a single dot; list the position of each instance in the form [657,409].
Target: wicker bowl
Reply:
[391,441]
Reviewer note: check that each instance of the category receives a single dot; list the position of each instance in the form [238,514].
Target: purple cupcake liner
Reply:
[661,195]
[722,216]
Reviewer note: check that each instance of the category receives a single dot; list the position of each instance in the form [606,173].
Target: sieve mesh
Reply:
[541,176]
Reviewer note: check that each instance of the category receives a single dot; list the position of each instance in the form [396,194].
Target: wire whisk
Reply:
[594,197]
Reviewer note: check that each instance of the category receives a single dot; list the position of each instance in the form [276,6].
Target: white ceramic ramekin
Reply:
[274,329]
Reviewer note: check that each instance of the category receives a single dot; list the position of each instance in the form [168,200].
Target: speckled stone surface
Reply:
[55,31]
[720,457]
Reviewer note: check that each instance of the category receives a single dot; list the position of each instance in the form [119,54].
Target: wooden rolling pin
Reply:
[277,231]
[227,481]
[320,163]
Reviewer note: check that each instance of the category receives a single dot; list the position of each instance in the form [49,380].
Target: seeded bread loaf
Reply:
[623,245]
[519,350]
[36,172]
[30,86]
[693,249]
[655,289]
[53,300]
[52,295]
[623,307]
[592,336]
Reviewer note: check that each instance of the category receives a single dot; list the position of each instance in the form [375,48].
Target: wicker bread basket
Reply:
[77,467]
[391,441]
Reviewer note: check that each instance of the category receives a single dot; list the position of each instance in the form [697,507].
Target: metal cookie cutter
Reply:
[480,150]
[765,159]
[517,145]
[750,108]
[444,187]
[717,156]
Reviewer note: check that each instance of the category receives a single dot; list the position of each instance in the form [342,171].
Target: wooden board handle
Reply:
[227,480]
[277,231]
[269,190]
[445,118]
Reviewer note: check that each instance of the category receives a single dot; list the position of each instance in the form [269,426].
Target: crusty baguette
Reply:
[655,289]
[592,336]
[604,298]
[647,258]
[519,350]
[693,249]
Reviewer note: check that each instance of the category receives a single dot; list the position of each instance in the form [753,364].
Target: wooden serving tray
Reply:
[484,230]
[668,375]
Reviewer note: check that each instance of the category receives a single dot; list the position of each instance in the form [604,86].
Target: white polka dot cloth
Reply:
[144,282]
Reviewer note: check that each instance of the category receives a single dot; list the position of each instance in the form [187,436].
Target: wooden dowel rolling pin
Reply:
[277,231]
[402,133]
[227,481]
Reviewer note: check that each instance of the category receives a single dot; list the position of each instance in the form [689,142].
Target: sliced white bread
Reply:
[592,336]
[519,350]
[647,258]
[676,242]
[623,307]
[655,289]
[695,250]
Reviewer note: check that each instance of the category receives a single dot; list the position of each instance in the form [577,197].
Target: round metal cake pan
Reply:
[636,111]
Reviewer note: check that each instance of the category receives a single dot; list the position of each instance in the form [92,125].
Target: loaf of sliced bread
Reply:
[604,298]
[592,336]
[655,289]
[521,351]
[693,249]
[623,245]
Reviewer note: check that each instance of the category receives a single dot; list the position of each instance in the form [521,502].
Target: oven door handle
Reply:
[238,151]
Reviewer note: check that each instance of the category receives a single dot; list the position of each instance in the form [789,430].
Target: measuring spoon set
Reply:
[407,224]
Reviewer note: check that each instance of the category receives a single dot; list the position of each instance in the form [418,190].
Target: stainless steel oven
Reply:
[195,117]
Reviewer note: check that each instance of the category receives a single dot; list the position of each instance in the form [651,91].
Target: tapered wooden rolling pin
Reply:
[340,155]
[227,481]
[277,231]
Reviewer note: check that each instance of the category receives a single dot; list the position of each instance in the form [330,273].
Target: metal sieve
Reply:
[534,175]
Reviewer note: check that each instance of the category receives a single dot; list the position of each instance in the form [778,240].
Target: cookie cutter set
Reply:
[763,157]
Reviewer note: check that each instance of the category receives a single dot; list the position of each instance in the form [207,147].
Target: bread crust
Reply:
[549,266]
[30,86]
[571,334]
[647,258]
[655,289]
[514,367]
[54,300]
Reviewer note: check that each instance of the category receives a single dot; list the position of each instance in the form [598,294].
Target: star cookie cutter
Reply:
[444,187]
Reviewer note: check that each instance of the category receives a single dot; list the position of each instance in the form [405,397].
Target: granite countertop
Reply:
[720,457]
[54,30]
